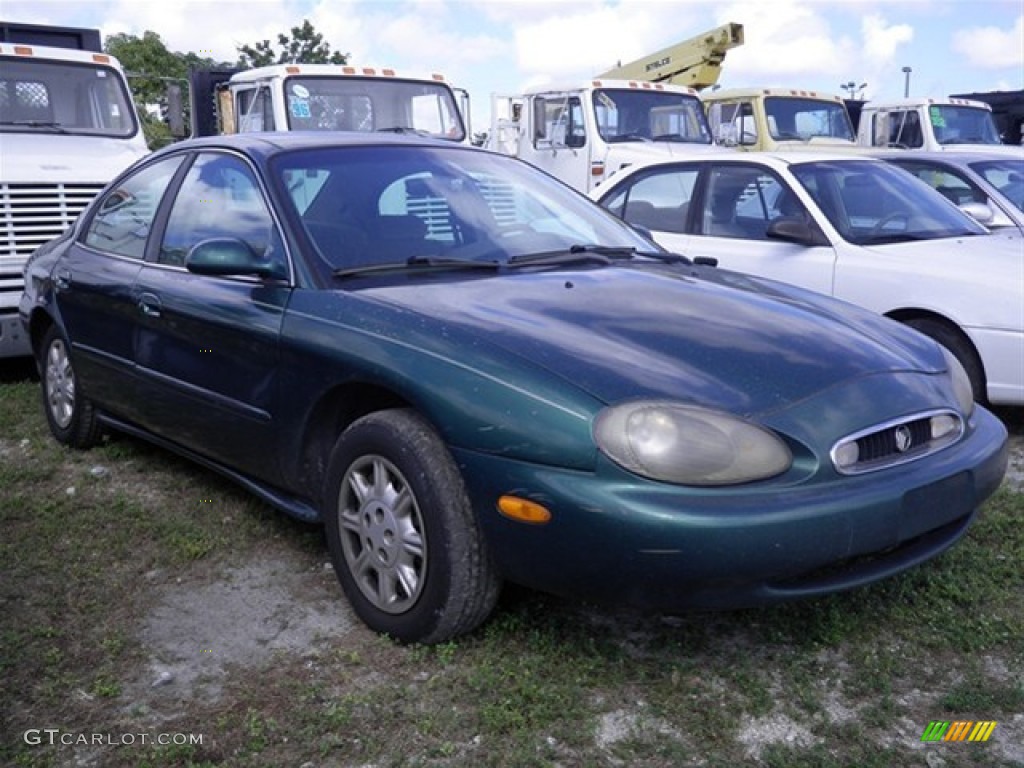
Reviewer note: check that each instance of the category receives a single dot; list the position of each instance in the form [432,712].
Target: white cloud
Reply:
[992,47]
[785,40]
[881,41]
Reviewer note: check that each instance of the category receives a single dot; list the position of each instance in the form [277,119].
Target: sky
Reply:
[506,46]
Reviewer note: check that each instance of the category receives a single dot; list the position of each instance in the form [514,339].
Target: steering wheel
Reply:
[887,219]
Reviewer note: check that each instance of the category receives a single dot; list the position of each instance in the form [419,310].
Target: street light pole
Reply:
[906,82]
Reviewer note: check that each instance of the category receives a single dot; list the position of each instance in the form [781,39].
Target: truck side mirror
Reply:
[175,111]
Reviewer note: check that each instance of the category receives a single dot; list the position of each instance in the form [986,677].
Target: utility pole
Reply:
[906,82]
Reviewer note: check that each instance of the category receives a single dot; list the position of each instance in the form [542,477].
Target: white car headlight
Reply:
[688,445]
[961,383]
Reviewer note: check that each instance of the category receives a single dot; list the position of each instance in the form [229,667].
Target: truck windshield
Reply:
[963,125]
[626,114]
[372,104]
[41,96]
[805,119]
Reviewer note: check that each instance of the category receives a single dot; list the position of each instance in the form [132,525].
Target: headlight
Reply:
[961,383]
[688,445]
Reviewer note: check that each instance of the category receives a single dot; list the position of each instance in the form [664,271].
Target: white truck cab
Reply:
[779,119]
[67,127]
[930,124]
[329,97]
[582,134]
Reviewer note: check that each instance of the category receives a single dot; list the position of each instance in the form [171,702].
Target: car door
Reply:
[657,201]
[207,346]
[93,284]
[730,221]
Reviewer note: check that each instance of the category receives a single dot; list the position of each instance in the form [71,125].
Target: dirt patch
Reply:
[198,629]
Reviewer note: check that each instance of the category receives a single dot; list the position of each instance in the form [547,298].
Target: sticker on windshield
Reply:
[299,108]
[935,115]
[301,91]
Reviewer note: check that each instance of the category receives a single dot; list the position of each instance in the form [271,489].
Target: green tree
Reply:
[151,67]
[304,46]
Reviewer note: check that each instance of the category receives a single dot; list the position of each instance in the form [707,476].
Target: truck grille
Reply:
[32,214]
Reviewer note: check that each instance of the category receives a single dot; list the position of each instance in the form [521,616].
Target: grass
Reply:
[849,680]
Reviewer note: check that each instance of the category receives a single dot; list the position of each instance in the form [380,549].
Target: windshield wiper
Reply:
[602,254]
[415,263]
[679,138]
[627,137]
[403,129]
[36,124]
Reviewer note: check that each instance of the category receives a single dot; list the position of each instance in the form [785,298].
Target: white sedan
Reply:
[856,228]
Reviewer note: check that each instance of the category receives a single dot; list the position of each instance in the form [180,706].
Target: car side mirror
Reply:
[980,212]
[225,256]
[795,230]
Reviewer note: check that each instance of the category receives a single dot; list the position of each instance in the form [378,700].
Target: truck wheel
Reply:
[402,535]
[953,340]
[70,414]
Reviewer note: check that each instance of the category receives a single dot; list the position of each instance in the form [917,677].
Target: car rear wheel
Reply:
[402,535]
[953,340]
[70,414]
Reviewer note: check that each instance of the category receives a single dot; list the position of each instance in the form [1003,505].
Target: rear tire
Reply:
[401,532]
[69,413]
[962,349]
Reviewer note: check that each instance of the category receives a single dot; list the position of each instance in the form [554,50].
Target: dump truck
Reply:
[326,97]
[934,124]
[67,127]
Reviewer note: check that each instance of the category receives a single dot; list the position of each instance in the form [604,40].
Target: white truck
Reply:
[930,124]
[644,110]
[67,127]
[582,134]
[326,97]
[779,119]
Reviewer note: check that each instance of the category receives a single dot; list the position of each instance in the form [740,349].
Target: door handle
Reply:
[62,279]
[149,304]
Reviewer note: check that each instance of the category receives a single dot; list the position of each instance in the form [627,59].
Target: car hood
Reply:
[619,333]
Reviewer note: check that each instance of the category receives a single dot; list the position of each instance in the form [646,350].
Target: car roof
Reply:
[267,143]
[951,158]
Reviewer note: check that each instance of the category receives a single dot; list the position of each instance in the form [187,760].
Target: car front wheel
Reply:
[70,414]
[402,534]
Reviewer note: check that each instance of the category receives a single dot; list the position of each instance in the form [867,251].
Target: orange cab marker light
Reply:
[22,50]
[523,510]
[292,70]
[101,58]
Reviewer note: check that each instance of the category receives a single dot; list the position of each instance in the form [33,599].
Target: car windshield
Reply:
[805,119]
[372,206]
[40,96]
[871,202]
[626,114]
[1006,175]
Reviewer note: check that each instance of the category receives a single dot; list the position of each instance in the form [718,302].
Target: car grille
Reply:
[896,442]
[32,214]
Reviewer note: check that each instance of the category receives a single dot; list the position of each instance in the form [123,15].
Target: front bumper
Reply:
[616,537]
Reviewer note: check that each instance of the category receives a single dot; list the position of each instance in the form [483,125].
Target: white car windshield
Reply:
[1005,175]
[872,202]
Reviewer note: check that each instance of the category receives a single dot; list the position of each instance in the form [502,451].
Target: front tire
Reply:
[69,413]
[401,532]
